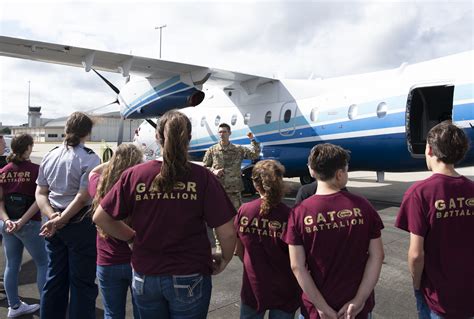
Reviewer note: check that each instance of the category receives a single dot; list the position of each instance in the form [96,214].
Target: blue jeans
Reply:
[28,237]
[174,297]
[247,312]
[114,282]
[369,316]
[424,312]
[71,269]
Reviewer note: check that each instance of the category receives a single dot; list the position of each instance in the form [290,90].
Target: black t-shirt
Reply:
[3,161]
[306,191]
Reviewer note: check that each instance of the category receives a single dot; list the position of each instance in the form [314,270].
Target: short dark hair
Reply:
[448,142]
[225,125]
[78,125]
[325,159]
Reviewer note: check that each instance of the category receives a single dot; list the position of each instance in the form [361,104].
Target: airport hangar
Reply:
[106,127]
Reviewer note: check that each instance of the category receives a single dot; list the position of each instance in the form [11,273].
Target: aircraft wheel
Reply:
[306,179]
[249,190]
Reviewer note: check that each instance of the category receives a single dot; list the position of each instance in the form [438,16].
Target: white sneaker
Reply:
[24,309]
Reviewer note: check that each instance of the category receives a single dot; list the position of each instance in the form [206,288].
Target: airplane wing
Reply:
[125,64]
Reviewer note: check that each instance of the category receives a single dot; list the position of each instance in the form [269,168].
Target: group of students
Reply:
[144,225]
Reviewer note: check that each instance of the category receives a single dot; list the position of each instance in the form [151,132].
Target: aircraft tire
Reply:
[306,179]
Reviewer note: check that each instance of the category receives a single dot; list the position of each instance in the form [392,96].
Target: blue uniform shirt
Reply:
[65,171]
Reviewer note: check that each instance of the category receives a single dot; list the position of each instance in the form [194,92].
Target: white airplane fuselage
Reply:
[381,117]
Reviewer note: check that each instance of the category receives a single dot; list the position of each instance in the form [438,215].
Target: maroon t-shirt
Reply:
[110,251]
[267,282]
[20,179]
[171,234]
[441,209]
[335,231]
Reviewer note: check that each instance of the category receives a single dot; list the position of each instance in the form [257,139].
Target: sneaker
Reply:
[24,309]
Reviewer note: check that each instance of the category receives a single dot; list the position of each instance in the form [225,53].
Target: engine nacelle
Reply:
[160,96]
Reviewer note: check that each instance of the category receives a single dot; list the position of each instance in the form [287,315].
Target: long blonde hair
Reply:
[126,155]
[174,133]
[267,178]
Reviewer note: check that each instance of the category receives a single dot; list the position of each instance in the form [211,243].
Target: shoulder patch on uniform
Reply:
[54,148]
[88,150]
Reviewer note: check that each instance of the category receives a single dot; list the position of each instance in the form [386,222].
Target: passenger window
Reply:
[287,116]
[217,120]
[352,113]
[382,109]
[233,120]
[246,118]
[314,114]
[268,117]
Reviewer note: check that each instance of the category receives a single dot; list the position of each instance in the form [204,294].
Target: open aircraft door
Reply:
[287,124]
[426,107]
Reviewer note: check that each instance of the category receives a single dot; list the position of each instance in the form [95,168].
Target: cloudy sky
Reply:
[293,39]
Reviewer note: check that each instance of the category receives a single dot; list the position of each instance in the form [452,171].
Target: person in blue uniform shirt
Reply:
[70,234]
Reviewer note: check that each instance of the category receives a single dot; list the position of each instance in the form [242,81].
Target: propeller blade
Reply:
[103,106]
[113,87]
[151,123]
[120,132]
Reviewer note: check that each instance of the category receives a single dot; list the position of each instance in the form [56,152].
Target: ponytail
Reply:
[78,125]
[267,178]
[19,146]
[174,133]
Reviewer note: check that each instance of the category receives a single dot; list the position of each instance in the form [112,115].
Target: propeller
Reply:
[101,107]
[116,90]
[120,132]
[113,87]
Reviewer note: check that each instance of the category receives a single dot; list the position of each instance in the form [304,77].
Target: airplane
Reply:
[381,117]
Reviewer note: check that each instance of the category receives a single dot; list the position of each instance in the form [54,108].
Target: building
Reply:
[106,127]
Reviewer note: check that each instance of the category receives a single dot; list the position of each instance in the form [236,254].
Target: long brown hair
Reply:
[125,156]
[174,133]
[78,125]
[19,146]
[267,177]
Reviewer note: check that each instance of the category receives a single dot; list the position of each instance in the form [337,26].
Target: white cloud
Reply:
[268,37]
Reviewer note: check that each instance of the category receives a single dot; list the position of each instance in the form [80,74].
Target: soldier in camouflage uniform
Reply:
[224,160]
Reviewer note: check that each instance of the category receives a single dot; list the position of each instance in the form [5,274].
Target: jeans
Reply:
[174,297]
[114,282]
[369,316]
[247,312]
[27,236]
[71,269]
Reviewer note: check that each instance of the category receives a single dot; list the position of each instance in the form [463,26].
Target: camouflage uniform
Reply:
[230,158]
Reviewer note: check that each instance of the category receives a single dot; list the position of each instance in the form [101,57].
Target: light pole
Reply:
[161,29]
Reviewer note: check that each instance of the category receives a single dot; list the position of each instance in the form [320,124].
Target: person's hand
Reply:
[60,222]
[250,135]
[48,229]
[218,264]
[219,172]
[327,313]
[351,309]
[51,226]
[10,226]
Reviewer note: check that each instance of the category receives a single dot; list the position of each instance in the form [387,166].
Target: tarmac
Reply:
[393,293]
